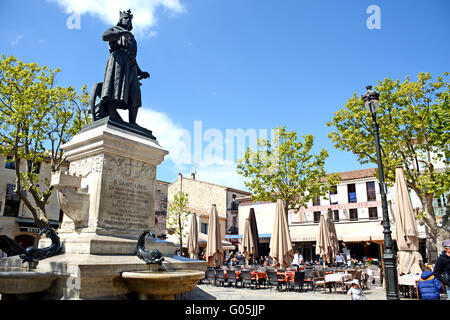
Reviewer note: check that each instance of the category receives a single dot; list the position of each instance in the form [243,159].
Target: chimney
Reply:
[181,181]
[193,176]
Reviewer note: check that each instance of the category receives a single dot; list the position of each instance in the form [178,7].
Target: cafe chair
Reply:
[247,279]
[274,280]
[220,277]
[210,276]
[299,278]
[232,279]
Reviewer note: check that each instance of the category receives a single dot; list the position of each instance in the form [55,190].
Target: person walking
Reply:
[429,286]
[442,267]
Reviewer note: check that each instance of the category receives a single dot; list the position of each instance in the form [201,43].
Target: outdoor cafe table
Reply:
[338,277]
[410,281]
[257,274]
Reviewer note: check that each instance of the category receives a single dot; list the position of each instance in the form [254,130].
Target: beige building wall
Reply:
[161,194]
[8,225]
[202,195]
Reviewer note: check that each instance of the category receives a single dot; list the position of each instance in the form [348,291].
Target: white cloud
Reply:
[179,142]
[16,40]
[144,11]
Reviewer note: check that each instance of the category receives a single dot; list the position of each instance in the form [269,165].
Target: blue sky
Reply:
[238,64]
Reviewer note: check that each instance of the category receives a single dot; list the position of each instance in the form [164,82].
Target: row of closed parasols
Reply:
[327,244]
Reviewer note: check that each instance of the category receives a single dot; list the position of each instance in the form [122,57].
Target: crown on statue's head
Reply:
[124,14]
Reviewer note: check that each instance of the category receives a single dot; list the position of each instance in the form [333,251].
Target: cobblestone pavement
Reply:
[211,292]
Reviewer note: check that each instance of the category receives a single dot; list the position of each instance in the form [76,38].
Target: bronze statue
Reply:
[121,87]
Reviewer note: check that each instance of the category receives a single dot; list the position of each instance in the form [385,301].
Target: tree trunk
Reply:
[181,235]
[438,233]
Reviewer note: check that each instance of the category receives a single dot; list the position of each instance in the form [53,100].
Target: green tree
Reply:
[178,215]
[36,118]
[414,131]
[286,169]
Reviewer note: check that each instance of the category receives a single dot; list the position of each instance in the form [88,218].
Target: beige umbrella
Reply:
[407,235]
[214,250]
[246,246]
[192,242]
[334,242]
[323,242]
[280,242]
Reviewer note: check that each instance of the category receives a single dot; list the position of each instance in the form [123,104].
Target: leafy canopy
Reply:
[36,118]
[178,214]
[414,127]
[286,169]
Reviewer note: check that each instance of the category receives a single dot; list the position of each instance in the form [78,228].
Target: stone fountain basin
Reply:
[20,281]
[162,284]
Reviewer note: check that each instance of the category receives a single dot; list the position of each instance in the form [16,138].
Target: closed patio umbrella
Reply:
[406,228]
[323,242]
[255,235]
[214,250]
[280,243]
[192,242]
[246,246]
[334,242]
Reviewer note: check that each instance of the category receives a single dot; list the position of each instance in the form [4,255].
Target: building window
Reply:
[371,194]
[336,215]
[373,213]
[10,164]
[37,167]
[316,216]
[12,202]
[204,228]
[353,214]
[316,201]
[351,189]
[234,203]
[333,195]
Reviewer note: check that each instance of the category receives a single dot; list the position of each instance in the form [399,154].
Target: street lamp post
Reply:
[371,102]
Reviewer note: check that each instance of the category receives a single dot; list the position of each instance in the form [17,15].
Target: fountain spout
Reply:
[33,255]
[150,257]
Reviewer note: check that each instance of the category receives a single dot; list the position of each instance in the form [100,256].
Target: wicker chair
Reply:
[356,274]
[319,280]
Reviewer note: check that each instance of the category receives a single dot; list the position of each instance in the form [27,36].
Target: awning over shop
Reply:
[239,236]
[28,225]
[348,232]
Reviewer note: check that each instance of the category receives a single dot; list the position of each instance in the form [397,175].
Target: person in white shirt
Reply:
[298,258]
[355,292]
[340,260]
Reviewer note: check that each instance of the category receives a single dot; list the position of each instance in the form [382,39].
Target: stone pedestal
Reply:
[108,195]
[108,199]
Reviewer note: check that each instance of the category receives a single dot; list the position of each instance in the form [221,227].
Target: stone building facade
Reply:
[356,211]
[202,195]
[16,220]
[161,193]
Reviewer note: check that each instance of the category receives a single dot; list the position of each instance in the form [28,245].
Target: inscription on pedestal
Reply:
[130,202]
[128,188]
